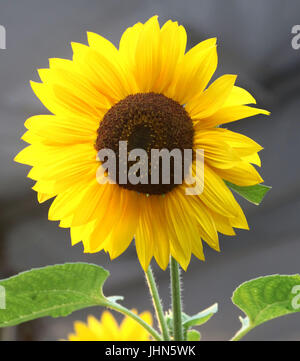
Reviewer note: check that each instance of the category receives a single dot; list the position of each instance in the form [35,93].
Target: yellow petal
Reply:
[241,174]
[55,130]
[253,158]
[112,205]
[110,326]
[147,61]
[228,115]
[216,195]
[83,332]
[42,197]
[106,75]
[172,46]
[128,43]
[161,244]
[66,203]
[61,101]
[28,155]
[93,202]
[211,100]
[239,96]
[194,71]
[240,221]
[217,152]
[76,83]
[242,144]
[222,224]
[124,230]
[144,241]
[183,226]
[132,331]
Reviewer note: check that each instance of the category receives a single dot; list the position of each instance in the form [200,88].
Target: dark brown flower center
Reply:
[146,121]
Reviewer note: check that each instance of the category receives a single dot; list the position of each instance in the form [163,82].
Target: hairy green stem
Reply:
[119,308]
[157,304]
[240,334]
[176,300]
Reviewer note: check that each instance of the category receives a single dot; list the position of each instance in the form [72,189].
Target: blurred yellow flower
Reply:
[153,94]
[107,329]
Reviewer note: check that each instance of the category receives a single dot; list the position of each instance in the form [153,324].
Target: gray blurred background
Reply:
[254,40]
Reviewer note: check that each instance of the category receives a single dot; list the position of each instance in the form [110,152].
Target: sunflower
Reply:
[107,329]
[152,94]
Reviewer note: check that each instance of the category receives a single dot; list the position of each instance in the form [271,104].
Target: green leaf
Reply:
[254,194]
[53,291]
[193,335]
[190,321]
[200,318]
[265,298]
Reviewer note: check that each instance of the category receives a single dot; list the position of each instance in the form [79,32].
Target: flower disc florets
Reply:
[147,121]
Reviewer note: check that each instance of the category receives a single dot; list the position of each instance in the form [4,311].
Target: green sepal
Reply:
[254,194]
